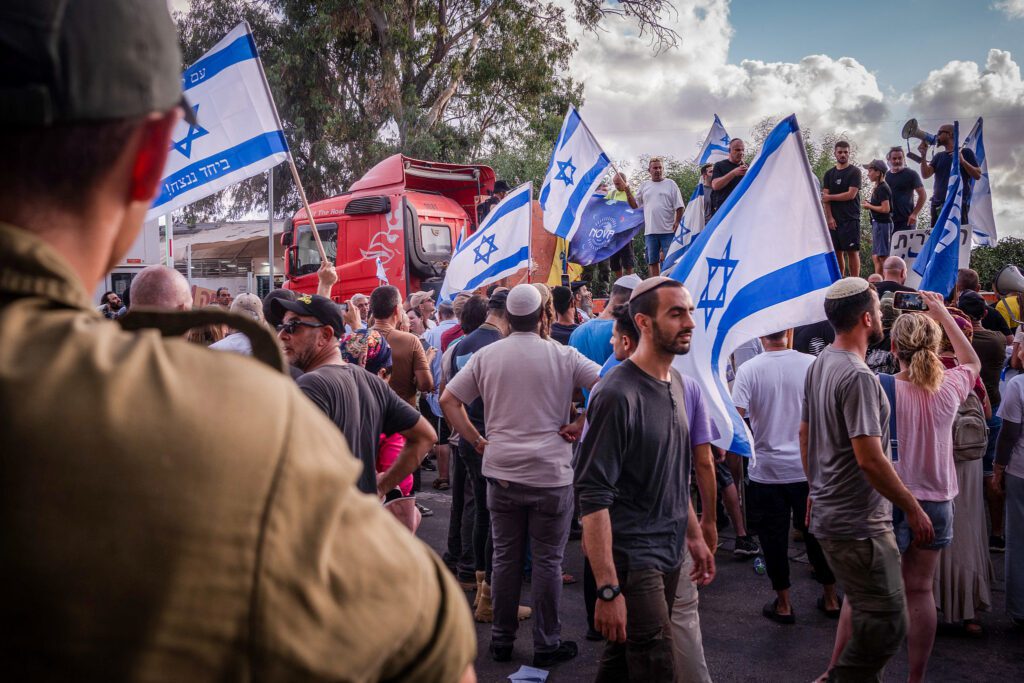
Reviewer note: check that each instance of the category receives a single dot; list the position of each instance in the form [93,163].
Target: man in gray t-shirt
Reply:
[844,445]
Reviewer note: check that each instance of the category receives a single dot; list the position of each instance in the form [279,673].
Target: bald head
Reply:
[895,269]
[160,287]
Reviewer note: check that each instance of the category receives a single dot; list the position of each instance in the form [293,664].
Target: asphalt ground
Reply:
[739,643]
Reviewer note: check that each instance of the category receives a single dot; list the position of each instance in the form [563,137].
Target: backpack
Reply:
[970,431]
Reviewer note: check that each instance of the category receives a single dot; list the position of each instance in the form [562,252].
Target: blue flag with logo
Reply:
[606,227]
[939,260]
[748,283]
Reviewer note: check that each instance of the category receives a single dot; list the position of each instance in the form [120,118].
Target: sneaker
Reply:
[424,510]
[997,544]
[501,653]
[429,466]
[746,546]
[565,651]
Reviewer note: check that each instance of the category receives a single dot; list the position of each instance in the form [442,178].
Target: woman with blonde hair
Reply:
[927,399]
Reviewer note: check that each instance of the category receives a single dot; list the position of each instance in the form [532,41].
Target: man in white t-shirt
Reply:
[663,206]
[768,391]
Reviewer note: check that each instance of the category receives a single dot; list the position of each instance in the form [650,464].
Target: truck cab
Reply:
[408,213]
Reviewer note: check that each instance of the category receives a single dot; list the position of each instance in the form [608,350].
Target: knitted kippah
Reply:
[848,286]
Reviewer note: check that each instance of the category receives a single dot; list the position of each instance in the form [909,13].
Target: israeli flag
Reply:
[716,144]
[498,249]
[983,220]
[691,226]
[939,260]
[238,134]
[577,166]
[747,283]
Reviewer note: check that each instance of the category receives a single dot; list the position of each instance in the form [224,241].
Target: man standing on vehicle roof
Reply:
[501,189]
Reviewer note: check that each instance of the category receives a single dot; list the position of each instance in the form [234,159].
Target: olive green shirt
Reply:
[172,513]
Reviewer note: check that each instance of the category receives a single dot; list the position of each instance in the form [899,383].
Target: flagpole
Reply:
[610,162]
[270,223]
[529,244]
[291,159]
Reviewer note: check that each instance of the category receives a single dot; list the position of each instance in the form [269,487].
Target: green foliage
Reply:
[988,261]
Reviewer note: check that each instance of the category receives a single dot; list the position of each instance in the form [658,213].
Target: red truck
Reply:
[406,212]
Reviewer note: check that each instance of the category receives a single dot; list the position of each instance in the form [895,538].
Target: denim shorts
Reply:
[881,234]
[941,514]
[655,244]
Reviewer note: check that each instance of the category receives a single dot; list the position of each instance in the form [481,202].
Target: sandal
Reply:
[830,613]
[441,484]
[568,579]
[770,611]
[973,628]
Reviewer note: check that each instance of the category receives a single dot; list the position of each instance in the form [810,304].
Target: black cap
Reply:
[502,186]
[579,283]
[321,308]
[973,304]
[87,60]
[497,300]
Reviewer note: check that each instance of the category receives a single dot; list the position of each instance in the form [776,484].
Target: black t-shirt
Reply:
[837,182]
[885,286]
[474,341]
[561,333]
[902,185]
[991,349]
[485,207]
[813,338]
[994,321]
[942,162]
[363,406]
[718,197]
[635,462]
[880,194]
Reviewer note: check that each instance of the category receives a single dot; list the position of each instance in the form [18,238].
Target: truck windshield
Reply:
[437,240]
[307,256]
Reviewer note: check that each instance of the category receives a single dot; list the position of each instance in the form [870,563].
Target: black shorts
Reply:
[846,236]
[723,475]
[439,424]
[623,258]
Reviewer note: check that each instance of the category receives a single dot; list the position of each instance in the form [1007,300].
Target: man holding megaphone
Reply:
[941,165]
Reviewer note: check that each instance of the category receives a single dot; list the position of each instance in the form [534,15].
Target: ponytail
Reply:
[917,340]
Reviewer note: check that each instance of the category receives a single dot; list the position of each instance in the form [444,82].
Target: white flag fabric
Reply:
[716,144]
[500,247]
[381,275]
[577,166]
[238,133]
[691,226]
[761,265]
[982,218]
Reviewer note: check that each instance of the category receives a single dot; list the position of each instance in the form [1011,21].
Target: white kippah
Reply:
[522,300]
[848,286]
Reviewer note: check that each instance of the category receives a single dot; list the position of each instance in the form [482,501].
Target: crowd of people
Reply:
[876,433]
[212,494]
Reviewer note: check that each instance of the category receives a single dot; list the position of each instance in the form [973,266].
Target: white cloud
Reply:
[1014,9]
[964,91]
[640,103]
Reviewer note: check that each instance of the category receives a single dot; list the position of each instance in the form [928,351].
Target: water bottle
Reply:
[759,567]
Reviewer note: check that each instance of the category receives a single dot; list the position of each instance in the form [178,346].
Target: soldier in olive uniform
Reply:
[166,513]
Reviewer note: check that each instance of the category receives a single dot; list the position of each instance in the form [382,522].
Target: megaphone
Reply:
[912,130]
[1009,282]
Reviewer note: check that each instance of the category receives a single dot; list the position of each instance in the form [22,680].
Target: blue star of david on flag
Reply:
[680,237]
[184,145]
[727,266]
[487,245]
[565,171]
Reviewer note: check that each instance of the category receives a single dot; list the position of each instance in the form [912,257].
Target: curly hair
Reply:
[917,339]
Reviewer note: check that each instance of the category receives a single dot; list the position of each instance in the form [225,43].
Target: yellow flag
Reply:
[555,274]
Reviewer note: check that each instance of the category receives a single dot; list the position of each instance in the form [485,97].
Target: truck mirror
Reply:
[291,256]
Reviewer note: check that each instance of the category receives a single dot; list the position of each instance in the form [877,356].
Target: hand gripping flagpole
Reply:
[291,159]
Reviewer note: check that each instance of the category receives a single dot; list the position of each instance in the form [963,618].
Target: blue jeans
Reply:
[941,515]
[657,247]
[993,436]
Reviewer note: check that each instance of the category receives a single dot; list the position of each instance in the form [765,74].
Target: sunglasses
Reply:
[293,325]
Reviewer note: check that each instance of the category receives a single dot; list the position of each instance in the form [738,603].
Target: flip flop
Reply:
[441,484]
[830,613]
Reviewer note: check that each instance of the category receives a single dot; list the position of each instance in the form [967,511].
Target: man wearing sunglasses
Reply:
[360,403]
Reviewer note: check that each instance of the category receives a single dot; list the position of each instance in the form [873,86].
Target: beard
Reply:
[877,334]
[668,342]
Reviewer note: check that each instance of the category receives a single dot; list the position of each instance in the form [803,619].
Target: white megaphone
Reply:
[912,130]
[1009,282]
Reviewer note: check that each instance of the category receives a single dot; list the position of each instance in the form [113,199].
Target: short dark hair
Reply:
[474,313]
[624,323]
[222,289]
[844,314]
[620,293]
[491,288]
[525,323]
[967,278]
[561,297]
[897,148]
[777,336]
[383,301]
[647,303]
[60,164]
[705,167]
[842,143]
[105,299]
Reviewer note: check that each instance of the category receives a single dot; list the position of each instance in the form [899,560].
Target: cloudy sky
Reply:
[856,68]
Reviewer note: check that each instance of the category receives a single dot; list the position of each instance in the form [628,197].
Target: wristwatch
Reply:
[608,592]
